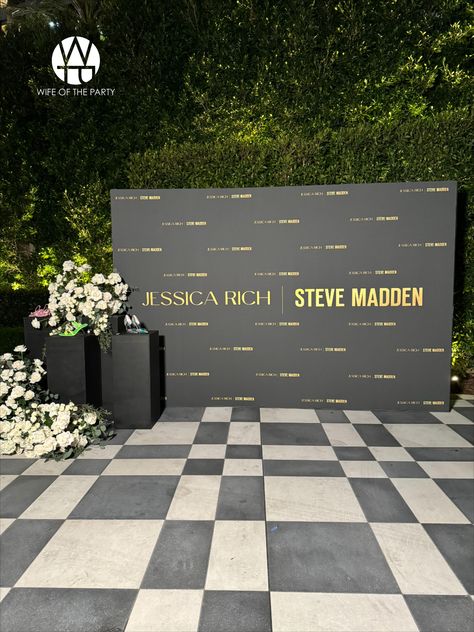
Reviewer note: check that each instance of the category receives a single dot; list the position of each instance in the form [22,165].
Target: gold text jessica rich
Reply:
[301,297]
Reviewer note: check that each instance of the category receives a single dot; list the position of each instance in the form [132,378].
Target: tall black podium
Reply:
[131,380]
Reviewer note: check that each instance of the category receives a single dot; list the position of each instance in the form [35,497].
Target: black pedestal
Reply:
[74,368]
[136,380]
[35,339]
[107,378]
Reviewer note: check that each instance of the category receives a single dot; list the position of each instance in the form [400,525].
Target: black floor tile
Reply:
[241,498]
[121,435]
[239,611]
[243,452]
[293,434]
[403,469]
[441,454]
[331,416]
[127,498]
[461,492]
[14,466]
[380,501]
[212,432]
[21,492]
[406,417]
[245,413]
[154,452]
[440,613]
[91,467]
[277,467]
[19,546]
[465,430]
[181,556]
[353,454]
[466,411]
[327,557]
[65,610]
[204,466]
[182,413]
[456,543]
[376,435]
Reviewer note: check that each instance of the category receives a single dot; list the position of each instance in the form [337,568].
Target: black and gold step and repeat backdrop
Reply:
[317,296]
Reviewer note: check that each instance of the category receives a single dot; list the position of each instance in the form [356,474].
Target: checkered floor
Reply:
[247,520]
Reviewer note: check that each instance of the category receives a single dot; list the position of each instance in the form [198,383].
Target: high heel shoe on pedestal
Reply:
[77,328]
[140,328]
[129,325]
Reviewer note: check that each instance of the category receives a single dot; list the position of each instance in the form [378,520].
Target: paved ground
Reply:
[247,520]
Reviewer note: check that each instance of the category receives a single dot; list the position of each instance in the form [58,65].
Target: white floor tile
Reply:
[299,452]
[3,592]
[243,467]
[428,502]
[343,435]
[59,499]
[195,498]
[288,415]
[166,611]
[453,417]
[427,436]
[311,499]
[144,467]
[340,612]
[47,468]
[5,523]
[244,433]
[238,558]
[382,453]
[165,433]
[6,479]
[94,554]
[416,563]
[216,413]
[362,469]
[207,451]
[448,469]
[361,417]
[100,452]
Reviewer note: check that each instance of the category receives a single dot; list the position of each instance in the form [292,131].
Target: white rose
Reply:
[20,376]
[49,445]
[52,321]
[90,418]
[4,411]
[68,266]
[98,278]
[35,377]
[3,389]
[20,349]
[35,323]
[7,447]
[64,439]
[70,317]
[101,305]
[17,391]
[6,373]
[29,395]
[18,365]
[37,436]
[6,356]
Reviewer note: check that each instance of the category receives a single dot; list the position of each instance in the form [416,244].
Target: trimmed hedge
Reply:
[10,337]
[15,304]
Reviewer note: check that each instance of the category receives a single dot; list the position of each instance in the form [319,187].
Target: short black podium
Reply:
[74,368]
[135,380]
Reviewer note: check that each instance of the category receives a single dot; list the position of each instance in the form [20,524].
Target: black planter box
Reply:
[117,324]
[35,339]
[135,380]
[74,371]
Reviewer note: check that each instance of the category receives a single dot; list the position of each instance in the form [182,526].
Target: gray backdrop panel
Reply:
[396,235]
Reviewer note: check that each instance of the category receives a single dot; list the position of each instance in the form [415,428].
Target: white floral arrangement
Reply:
[32,425]
[76,296]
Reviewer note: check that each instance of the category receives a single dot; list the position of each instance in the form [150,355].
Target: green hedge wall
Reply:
[15,304]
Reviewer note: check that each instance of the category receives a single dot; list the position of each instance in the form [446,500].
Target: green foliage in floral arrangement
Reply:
[33,424]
